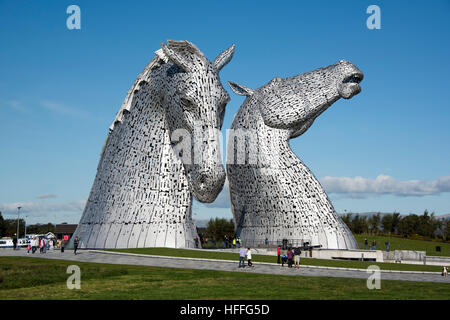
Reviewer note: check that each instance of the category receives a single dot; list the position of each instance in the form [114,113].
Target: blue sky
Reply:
[60,90]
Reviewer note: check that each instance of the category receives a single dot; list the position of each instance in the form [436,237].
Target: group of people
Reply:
[374,245]
[42,243]
[46,244]
[242,254]
[291,256]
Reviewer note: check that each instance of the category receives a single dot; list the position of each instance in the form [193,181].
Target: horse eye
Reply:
[187,104]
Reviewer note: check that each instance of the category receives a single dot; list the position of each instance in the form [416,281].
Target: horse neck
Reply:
[139,147]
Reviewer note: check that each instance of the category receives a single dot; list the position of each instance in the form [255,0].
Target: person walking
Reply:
[33,245]
[388,245]
[234,242]
[239,242]
[278,254]
[366,243]
[76,241]
[249,257]
[15,243]
[63,244]
[242,254]
[297,253]
[290,255]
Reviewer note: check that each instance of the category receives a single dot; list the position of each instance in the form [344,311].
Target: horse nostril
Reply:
[202,180]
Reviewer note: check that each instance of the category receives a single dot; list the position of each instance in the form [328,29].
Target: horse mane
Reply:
[142,78]
[127,104]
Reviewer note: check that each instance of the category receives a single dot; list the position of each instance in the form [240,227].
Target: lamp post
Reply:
[18,214]
[25,224]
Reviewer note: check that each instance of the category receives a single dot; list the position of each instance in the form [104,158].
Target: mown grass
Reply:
[207,254]
[36,278]
[398,243]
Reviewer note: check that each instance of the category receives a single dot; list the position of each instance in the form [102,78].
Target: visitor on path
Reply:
[242,254]
[249,257]
[196,242]
[234,242]
[366,243]
[28,248]
[444,271]
[283,260]
[15,243]
[63,244]
[297,253]
[239,242]
[34,245]
[290,255]
[41,245]
[76,241]
[387,244]
[278,254]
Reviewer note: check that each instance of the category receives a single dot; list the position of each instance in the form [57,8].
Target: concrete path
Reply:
[97,256]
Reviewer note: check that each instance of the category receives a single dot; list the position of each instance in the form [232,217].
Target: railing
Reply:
[257,243]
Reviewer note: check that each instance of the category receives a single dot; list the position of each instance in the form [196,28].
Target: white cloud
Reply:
[64,110]
[17,105]
[40,207]
[47,196]
[384,184]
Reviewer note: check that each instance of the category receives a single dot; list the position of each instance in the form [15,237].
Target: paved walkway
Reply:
[97,256]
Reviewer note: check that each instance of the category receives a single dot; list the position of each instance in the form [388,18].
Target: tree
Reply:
[359,224]
[2,226]
[409,225]
[40,228]
[347,219]
[395,222]
[218,228]
[374,223]
[387,223]
[445,227]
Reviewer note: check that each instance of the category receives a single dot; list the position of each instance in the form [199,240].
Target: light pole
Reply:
[18,214]
[17,235]
[25,224]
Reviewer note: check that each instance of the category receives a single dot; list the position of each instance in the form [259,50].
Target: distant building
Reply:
[65,229]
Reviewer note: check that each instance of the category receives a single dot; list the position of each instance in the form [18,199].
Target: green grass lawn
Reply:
[273,259]
[398,243]
[35,278]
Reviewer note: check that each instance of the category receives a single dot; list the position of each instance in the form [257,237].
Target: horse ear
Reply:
[182,53]
[222,59]
[240,89]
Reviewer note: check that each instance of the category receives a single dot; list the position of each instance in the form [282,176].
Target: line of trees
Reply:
[426,225]
[8,227]
[218,228]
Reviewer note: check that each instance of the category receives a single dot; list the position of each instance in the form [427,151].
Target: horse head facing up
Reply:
[295,102]
[194,101]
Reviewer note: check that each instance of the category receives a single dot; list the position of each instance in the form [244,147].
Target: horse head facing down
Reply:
[162,148]
[195,101]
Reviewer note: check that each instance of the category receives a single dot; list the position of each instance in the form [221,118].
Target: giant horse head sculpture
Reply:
[162,149]
[277,196]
